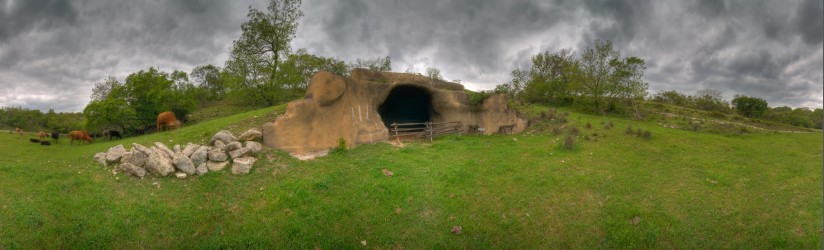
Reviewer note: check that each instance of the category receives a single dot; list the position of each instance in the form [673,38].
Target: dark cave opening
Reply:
[406,104]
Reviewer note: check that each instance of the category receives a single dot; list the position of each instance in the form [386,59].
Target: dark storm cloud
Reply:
[769,49]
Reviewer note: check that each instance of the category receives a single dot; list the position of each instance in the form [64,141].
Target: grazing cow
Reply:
[45,143]
[34,140]
[112,133]
[42,135]
[55,135]
[19,132]
[79,135]
[167,119]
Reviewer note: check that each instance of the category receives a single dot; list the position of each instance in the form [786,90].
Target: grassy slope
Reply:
[690,190]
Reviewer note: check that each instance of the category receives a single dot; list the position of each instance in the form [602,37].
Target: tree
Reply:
[709,100]
[208,78]
[603,77]
[433,73]
[256,56]
[549,77]
[752,107]
[299,67]
[376,64]
[102,89]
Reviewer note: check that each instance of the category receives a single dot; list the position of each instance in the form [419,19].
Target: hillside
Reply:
[677,189]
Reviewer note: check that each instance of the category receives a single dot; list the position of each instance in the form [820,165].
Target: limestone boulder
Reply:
[232,146]
[215,166]
[254,147]
[131,169]
[190,149]
[114,153]
[224,136]
[183,163]
[241,152]
[201,169]
[200,155]
[165,149]
[181,175]
[217,154]
[219,144]
[242,165]
[141,148]
[250,135]
[176,148]
[135,157]
[101,158]
[159,164]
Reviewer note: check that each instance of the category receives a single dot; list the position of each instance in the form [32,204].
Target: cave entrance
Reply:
[406,104]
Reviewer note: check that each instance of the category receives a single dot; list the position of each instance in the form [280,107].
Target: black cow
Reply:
[55,135]
[112,133]
[45,143]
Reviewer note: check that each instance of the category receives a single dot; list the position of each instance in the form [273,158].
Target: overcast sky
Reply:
[52,52]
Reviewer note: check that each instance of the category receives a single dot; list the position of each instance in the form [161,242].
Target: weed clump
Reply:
[589,126]
[629,130]
[341,146]
[639,132]
[610,125]
[556,131]
[574,131]
[568,143]
[647,135]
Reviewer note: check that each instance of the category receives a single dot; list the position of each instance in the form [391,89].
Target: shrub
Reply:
[639,132]
[647,135]
[574,131]
[629,130]
[589,126]
[341,146]
[569,143]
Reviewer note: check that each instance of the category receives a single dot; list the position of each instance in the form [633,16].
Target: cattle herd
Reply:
[164,120]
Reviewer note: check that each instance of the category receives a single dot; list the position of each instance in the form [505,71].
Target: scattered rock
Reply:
[201,169]
[216,165]
[217,154]
[158,164]
[254,147]
[183,163]
[200,155]
[250,135]
[101,157]
[219,144]
[190,149]
[635,220]
[114,153]
[181,175]
[176,148]
[163,147]
[131,169]
[457,230]
[233,146]
[135,157]
[388,173]
[225,136]
[242,165]
[239,153]
[363,242]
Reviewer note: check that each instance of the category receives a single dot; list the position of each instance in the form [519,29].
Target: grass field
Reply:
[679,189]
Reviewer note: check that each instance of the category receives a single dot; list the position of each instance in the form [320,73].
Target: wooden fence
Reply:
[414,131]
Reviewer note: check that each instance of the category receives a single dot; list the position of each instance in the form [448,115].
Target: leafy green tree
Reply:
[548,78]
[256,56]
[752,107]
[604,78]
[300,66]
[208,77]
[709,100]
[671,97]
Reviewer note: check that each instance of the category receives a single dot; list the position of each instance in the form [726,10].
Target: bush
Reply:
[647,135]
[569,143]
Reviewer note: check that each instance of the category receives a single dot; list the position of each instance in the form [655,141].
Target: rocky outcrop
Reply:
[357,109]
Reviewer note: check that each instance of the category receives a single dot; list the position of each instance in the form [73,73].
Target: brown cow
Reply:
[42,135]
[80,135]
[19,132]
[168,120]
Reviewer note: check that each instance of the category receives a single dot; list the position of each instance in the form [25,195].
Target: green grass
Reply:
[690,190]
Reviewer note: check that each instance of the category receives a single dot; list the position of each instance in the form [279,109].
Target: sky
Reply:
[53,52]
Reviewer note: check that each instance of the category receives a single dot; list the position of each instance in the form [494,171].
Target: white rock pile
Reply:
[182,161]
